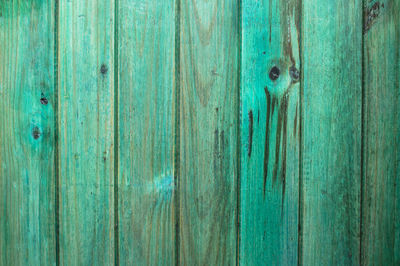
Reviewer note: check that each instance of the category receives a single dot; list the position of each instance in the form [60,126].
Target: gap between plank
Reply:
[239,117]
[56,130]
[116,135]
[362,130]
[177,129]
[301,116]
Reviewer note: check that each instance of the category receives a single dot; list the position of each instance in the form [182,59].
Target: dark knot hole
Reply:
[274,73]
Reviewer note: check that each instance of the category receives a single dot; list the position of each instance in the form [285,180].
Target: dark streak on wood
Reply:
[295,122]
[277,143]
[270,20]
[280,139]
[266,146]
[370,15]
[250,133]
[287,11]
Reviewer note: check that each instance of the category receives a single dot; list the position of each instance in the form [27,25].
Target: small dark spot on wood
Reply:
[274,73]
[264,52]
[44,101]
[103,69]
[36,133]
[370,15]
[250,133]
[104,158]
[294,73]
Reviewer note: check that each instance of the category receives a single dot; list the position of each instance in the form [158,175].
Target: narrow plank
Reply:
[27,196]
[209,105]
[270,115]
[86,124]
[331,147]
[381,196]
[146,34]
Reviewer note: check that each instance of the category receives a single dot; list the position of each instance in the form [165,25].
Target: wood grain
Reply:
[331,148]
[381,194]
[209,50]
[270,116]
[27,222]
[146,41]
[86,124]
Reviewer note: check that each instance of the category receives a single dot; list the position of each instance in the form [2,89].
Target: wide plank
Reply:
[380,236]
[331,132]
[86,131]
[209,105]
[27,143]
[146,39]
[270,133]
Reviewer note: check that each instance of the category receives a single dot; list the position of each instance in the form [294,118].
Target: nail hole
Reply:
[294,73]
[36,132]
[274,73]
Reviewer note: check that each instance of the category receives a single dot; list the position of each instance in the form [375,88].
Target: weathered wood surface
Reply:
[380,234]
[27,203]
[331,136]
[209,102]
[270,133]
[86,131]
[146,41]
[235,132]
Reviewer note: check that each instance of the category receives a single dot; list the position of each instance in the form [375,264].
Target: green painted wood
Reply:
[146,34]
[86,131]
[381,194]
[331,144]
[27,196]
[270,141]
[209,105]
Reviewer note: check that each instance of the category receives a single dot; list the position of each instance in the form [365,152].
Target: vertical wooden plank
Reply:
[146,33]
[331,148]
[86,123]
[381,219]
[209,102]
[270,132]
[27,231]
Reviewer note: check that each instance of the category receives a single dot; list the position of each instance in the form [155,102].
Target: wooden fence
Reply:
[199,132]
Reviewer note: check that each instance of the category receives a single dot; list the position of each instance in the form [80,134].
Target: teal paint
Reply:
[199,132]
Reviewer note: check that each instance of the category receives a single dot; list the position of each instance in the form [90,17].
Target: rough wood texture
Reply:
[238,132]
[146,34]
[331,170]
[381,194]
[270,141]
[209,45]
[27,231]
[86,124]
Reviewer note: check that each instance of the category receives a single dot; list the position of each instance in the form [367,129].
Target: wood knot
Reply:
[103,69]
[274,73]
[371,14]
[294,73]
[44,101]
[36,133]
